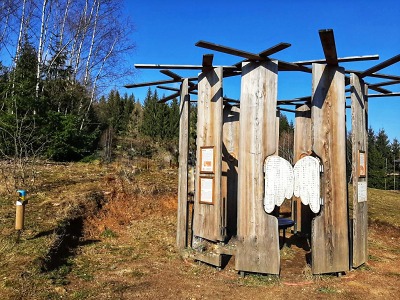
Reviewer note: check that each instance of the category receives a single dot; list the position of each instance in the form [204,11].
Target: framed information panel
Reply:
[362,164]
[207,160]
[206,194]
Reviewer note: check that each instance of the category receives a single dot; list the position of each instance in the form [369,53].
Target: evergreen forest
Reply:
[61,66]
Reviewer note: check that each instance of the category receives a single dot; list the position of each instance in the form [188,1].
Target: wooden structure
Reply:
[258,247]
[235,138]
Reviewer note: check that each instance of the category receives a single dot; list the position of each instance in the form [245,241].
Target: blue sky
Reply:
[166,33]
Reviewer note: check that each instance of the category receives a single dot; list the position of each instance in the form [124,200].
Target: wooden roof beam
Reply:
[384,83]
[263,55]
[228,50]
[176,67]
[171,74]
[136,85]
[380,66]
[173,89]
[274,49]
[328,45]
[376,75]
[342,59]
[380,95]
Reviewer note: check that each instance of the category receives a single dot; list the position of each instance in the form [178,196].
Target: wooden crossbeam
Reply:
[285,109]
[286,66]
[228,50]
[173,89]
[290,103]
[170,97]
[378,89]
[178,77]
[176,67]
[274,49]
[384,83]
[136,85]
[342,59]
[301,99]
[376,75]
[381,66]
[380,95]
[230,100]
[328,45]
[171,74]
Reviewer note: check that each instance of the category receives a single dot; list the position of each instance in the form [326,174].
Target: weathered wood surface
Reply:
[330,247]
[182,220]
[277,133]
[230,151]
[207,217]
[359,129]
[258,238]
[302,147]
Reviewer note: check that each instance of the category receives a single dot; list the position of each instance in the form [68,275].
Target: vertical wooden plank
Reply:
[302,148]
[359,130]
[258,239]
[182,221]
[230,150]
[330,247]
[277,133]
[207,217]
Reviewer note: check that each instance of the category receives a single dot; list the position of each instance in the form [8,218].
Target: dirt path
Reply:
[140,261]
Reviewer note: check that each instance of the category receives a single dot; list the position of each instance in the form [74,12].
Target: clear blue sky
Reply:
[166,33]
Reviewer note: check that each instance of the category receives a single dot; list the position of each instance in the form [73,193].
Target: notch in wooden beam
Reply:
[328,45]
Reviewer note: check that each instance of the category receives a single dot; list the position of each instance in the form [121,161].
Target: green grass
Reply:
[384,206]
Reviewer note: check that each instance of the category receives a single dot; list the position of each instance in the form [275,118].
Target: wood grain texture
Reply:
[182,220]
[258,239]
[230,151]
[359,129]
[207,217]
[330,247]
[302,148]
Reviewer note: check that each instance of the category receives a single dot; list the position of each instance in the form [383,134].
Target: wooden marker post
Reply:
[302,147]
[330,246]
[207,207]
[359,113]
[20,210]
[182,222]
[258,238]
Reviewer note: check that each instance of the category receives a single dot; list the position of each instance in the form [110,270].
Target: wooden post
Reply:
[302,148]
[330,246]
[182,221]
[359,114]
[207,215]
[230,151]
[258,238]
